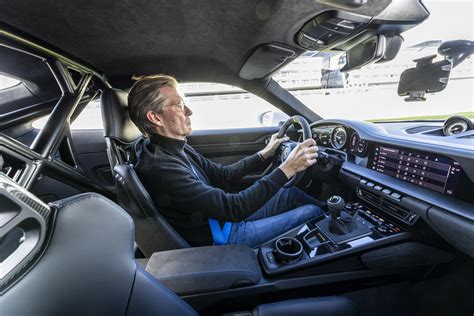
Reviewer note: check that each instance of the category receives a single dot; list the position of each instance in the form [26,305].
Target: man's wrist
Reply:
[263,154]
[288,171]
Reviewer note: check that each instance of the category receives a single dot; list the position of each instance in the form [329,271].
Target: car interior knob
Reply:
[335,205]
[341,221]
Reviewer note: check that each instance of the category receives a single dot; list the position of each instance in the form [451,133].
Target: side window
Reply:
[7,82]
[220,106]
[89,118]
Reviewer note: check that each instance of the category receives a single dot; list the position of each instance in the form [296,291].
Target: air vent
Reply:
[370,197]
[420,129]
[395,209]
[388,206]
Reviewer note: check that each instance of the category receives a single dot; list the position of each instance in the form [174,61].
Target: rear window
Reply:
[7,82]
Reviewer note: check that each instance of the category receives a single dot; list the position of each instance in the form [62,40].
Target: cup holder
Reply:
[288,249]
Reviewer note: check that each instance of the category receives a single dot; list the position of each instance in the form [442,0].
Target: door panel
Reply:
[231,145]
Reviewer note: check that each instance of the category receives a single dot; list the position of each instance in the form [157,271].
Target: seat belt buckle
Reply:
[219,236]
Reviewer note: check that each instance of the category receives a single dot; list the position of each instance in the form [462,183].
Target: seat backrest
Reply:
[124,144]
[86,264]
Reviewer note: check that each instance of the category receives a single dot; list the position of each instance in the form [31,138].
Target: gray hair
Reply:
[145,96]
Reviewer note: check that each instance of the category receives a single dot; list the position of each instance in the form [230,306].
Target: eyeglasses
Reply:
[181,105]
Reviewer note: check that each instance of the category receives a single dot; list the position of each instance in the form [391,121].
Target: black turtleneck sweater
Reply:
[188,198]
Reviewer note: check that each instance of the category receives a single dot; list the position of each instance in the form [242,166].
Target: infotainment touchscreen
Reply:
[427,170]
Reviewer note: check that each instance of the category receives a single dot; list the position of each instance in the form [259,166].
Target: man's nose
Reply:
[188,111]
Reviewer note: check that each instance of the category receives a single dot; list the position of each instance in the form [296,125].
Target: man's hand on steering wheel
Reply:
[302,157]
[272,146]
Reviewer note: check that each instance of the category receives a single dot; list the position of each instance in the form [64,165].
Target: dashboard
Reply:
[410,170]
[427,169]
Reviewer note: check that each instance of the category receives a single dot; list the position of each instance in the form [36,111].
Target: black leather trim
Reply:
[88,267]
[327,306]
[149,297]
[117,123]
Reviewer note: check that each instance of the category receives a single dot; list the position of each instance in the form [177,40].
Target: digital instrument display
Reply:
[431,171]
[330,136]
[322,135]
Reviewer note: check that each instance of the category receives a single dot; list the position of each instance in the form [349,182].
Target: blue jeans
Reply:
[287,209]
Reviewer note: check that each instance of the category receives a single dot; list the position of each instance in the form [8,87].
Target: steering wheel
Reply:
[285,148]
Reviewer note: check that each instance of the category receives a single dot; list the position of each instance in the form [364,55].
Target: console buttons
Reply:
[395,195]
[382,229]
[370,184]
[363,181]
[412,217]
[378,188]
[271,258]
[386,191]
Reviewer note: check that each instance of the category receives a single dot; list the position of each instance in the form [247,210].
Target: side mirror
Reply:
[425,77]
[270,118]
[266,118]
[366,52]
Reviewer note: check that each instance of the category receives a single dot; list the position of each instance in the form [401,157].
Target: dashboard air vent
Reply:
[387,206]
[420,129]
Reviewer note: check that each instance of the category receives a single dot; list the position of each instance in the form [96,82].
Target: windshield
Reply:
[370,93]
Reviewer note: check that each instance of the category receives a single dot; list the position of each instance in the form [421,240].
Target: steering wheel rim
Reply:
[301,121]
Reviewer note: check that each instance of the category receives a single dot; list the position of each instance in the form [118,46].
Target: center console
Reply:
[346,228]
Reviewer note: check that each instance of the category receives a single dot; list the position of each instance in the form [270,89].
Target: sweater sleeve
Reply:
[220,175]
[187,192]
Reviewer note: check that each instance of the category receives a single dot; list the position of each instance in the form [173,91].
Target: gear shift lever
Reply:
[341,222]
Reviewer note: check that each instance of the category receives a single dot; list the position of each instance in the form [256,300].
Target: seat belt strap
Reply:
[220,237]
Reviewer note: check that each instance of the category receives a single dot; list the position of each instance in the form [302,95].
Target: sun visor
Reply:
[265,60]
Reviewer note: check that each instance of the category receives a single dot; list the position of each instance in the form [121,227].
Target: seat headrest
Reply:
[117,122]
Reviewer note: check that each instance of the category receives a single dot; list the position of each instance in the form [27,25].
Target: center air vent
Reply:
[387,205]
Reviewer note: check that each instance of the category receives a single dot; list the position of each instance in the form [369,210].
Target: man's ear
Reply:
[154,117]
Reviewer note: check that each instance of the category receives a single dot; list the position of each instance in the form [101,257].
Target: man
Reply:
[189,189]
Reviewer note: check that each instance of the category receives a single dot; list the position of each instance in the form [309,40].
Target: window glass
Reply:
[7,82]
[90,118]
[220,106]
[371,93]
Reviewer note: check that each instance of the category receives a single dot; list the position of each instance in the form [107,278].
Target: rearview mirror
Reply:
[366,52]
[425,77]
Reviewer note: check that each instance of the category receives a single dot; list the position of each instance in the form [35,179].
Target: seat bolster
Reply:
[327,306]
[149,297]
[87,268]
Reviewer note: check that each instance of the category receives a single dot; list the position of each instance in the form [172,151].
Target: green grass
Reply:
[427,117]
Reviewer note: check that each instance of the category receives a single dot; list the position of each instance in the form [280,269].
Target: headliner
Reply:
[191,39]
